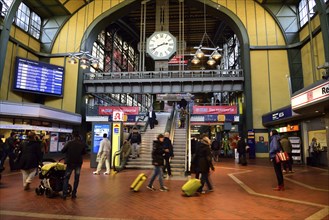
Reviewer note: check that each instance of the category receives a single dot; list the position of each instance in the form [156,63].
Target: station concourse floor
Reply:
[240,192]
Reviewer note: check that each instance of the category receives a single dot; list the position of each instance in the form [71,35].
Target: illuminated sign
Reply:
[210,110]
[318,93]
[127,110]
[117,116]
[38,77]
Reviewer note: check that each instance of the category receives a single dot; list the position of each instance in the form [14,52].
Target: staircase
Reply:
[179,145]
[145,159]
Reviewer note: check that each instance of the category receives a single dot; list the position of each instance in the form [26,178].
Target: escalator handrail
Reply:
[117,153]
[188,144]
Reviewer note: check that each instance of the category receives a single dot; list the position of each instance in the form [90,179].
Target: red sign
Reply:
[177,60]
[212,110]
[127,110]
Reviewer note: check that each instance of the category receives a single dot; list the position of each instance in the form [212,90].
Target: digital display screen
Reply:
[38,77]
[99,130]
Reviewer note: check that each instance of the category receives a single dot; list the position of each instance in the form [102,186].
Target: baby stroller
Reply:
[52,175]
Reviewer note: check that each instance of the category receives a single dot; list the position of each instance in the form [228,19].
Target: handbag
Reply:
[281,157]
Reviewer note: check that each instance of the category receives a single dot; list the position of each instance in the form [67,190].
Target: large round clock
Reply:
[161,45]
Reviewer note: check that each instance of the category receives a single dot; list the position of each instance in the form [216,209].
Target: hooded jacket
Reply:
[157,153]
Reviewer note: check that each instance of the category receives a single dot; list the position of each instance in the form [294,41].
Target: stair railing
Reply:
[188,154]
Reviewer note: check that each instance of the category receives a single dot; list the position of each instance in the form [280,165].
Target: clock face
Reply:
[161,45]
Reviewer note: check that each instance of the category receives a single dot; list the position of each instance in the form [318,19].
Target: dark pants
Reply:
[9,153]
[278,172]
[288,164]
[242,159]
[151,121]
[68,172]
[167,165]
[215,155]
[205,179]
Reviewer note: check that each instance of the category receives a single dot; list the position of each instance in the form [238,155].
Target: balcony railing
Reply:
[165,74]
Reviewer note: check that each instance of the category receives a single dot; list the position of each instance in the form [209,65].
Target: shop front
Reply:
[51,125]
[312,103]
[287,123]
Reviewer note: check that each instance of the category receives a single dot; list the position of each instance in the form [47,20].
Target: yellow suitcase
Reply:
[138,182]
[191,186]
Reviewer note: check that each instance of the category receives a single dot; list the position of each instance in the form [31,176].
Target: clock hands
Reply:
[165,43]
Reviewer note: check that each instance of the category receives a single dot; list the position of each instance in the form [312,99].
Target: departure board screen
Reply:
[38,77]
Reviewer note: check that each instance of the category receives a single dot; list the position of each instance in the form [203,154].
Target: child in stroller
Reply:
[52,175]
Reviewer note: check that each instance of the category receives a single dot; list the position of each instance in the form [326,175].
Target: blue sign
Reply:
[252,144]
[277,115]
[116,130]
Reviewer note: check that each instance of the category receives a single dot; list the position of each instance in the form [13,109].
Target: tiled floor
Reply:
[240,193]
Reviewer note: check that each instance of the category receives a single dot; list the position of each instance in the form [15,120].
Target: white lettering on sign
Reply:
[277,116]
[315,94]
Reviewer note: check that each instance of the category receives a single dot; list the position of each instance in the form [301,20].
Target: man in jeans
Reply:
[135,141]
[74,150]
[157,160]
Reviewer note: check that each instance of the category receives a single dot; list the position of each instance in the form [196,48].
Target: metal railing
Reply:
[188,145]
[164,74]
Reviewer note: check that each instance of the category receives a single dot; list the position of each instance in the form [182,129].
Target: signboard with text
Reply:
[211,110]
[318,93]
[127,110]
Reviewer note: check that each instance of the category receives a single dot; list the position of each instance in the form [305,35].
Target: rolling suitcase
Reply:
[191,186]
[138,182]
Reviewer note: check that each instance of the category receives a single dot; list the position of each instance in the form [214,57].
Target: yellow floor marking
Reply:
[318,215]
[305,185]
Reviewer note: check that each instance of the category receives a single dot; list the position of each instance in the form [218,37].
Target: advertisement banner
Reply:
[211,110]
[127,110]
[99,130]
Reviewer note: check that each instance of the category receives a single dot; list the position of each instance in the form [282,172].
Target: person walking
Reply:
[168,155]
[241,148]
[30,159]
[157,160]
[204,162]
[103,155]
[275,148]
[152,117]
[215,147]
[182,117]
[135,139]
[8,151]
[73,151]
[287,147]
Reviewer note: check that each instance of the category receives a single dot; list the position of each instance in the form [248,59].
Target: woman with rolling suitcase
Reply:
[204,159]
[157,160]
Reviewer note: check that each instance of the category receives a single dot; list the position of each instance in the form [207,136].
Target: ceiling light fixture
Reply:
[85,59]
[199,54]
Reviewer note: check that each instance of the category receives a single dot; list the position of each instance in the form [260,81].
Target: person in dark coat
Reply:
[241,148]
[157,160]
[287,147]
[168,155]
[74,150]
[152,117]
[215,147]
[8,151]
[275,147]
[204,162]
[30,159]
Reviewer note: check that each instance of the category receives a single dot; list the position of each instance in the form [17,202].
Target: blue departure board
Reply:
[38,77]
